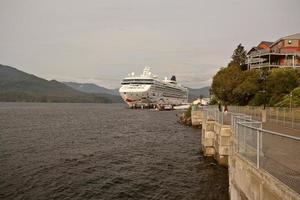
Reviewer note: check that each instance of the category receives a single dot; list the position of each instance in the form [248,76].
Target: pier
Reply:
[260,147]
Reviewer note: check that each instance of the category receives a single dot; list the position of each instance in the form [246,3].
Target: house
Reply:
[285,52]
[201,101]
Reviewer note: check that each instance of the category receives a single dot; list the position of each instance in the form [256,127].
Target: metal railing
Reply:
[288,117]
[258,66]
[253,111]
[212,113]
[274,52]
[275,153]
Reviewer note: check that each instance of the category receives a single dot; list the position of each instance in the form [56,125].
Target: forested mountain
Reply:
[199,92]
[91,88]
[16,85]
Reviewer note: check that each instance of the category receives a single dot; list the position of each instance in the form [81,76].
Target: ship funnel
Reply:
[173,78]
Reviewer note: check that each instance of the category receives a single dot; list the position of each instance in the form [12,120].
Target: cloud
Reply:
[102,41]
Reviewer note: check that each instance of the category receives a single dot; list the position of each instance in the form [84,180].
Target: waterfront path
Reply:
[275,127]
[281,155]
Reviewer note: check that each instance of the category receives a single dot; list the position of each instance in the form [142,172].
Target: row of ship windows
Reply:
[168,88]
[171,92]
[176,97]
[158,87]
[138,83]
[166,95]
[137,80]
[173,95]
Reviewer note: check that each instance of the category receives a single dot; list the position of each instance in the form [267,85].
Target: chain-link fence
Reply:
[276,153]
[212,113]
[288,117]
[253,111]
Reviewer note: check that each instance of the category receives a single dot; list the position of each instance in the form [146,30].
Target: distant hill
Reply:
[16,85]
[95,89]
[196,93]
[91,88]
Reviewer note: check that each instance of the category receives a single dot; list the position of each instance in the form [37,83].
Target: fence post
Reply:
[260,138]
[237,136]
[284,116]
[257,148]
[216,115]
[222,115]
[277,114]
[293,118]
[244,139]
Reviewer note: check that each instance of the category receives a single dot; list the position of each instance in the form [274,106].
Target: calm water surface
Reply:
[102,151]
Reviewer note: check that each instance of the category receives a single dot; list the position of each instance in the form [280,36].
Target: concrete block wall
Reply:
[216,140]
[197,117]
[222,143]
[246,182]
[208,138]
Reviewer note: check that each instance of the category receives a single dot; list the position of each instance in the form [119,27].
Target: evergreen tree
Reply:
[239,57]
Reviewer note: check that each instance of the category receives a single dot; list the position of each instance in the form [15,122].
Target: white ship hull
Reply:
[148,92]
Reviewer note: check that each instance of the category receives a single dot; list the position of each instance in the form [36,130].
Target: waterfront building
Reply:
[284,52]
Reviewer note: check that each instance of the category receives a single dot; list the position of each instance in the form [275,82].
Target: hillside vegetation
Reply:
[195,93]
[234,85]
[16,85]
[92,88]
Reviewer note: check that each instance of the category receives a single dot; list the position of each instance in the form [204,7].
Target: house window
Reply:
[290,42]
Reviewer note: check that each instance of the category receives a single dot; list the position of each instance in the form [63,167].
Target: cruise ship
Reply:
[146,90]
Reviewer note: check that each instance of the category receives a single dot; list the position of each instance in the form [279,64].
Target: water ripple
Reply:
[102,151]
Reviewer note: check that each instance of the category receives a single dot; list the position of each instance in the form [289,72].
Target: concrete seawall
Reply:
[196,116]
[246,179]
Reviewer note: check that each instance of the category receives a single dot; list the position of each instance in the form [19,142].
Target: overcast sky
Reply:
[101,41]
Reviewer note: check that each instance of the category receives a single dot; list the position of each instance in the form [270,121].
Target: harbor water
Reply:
[102,151]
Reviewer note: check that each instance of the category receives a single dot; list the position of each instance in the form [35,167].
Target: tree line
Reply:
[16,96]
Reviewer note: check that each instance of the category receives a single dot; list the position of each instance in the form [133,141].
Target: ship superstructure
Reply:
[148,90]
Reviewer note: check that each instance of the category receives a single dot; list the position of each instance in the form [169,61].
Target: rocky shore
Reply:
[186,118]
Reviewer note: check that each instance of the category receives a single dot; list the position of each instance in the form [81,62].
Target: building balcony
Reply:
[268,65]
[277,53]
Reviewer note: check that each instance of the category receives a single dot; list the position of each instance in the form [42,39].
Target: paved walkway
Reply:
[281,155]
[272,126]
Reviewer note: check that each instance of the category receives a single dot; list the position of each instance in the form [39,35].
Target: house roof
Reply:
[266,42]
[258,47]
[270,44]
[253,49]
[294,36]
[291,37]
